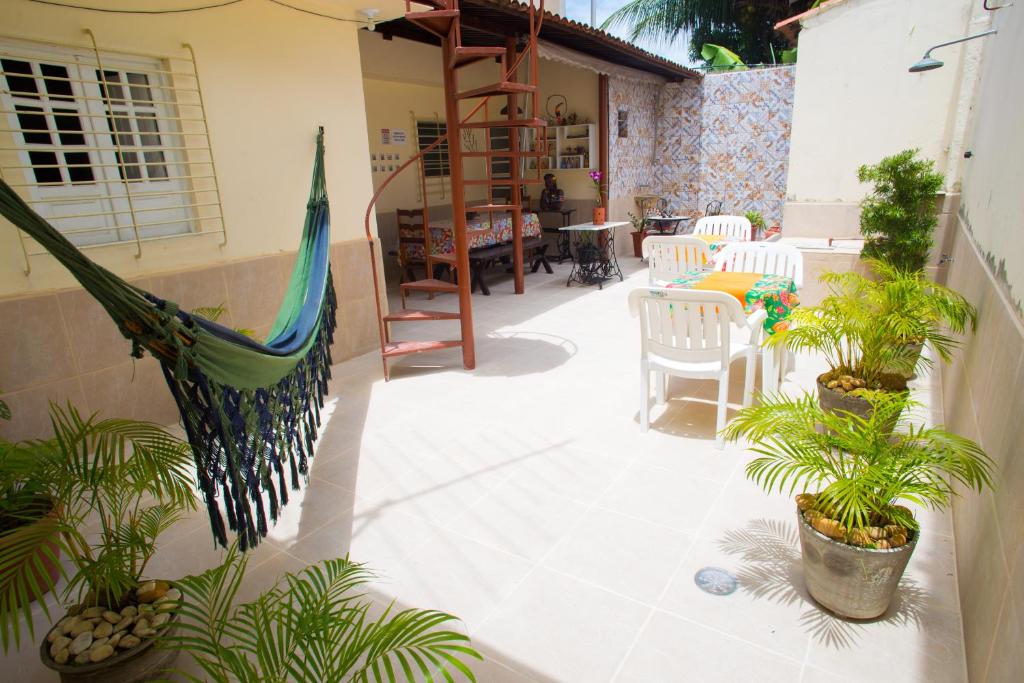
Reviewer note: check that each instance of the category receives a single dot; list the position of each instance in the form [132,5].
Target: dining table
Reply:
[481,232]
[776,294]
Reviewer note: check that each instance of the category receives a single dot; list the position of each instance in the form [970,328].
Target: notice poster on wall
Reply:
[398,136]
[385,136]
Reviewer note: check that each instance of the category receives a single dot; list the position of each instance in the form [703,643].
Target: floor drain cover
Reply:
[715,580]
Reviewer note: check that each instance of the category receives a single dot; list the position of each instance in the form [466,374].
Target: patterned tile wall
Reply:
[725,138]
[630,158]
[744,144]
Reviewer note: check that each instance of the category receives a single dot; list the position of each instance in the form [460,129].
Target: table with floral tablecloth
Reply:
[776,294]
[714,242]
[479,234]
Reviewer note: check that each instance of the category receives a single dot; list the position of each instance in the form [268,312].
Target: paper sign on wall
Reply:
[398,136]
[385,136]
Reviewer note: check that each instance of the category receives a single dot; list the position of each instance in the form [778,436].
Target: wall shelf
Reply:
[563,148]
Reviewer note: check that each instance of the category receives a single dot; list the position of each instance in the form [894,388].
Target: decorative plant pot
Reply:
[51,568]
[852,582]
[915,350]
[144,662]
[638,243]
[833,401]
[599,215]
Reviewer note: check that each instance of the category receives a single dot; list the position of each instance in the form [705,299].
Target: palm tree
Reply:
[744,26]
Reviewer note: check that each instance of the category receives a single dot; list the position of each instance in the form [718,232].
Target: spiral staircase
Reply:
[520,96]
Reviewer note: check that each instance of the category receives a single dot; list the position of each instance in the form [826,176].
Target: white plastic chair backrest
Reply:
[687,325]
[669,256]
[770,258]
[733,227]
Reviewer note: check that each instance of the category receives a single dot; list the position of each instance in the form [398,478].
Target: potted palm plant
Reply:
[756,223]
[113,486]
[313,626]
[855,474]
[871,331]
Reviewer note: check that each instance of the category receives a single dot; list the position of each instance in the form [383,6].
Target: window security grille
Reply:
[108,147]
[435,162]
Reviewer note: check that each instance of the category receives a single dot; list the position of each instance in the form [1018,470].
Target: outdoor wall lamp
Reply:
[928,62]
[370,13]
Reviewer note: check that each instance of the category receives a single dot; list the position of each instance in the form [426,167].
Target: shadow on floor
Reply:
[773,571]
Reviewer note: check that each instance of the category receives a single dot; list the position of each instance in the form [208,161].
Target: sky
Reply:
[579,10]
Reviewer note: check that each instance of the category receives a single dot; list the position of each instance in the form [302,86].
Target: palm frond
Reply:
[313,626]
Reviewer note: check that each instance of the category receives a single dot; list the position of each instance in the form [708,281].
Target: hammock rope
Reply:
[251,410]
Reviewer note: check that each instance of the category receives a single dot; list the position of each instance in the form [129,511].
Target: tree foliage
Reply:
[899,216]
[744,26]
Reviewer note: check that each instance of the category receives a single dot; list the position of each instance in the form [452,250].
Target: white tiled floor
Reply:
[523,497]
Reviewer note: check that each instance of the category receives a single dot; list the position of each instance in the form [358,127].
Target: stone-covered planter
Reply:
[831,401]
[115,646]
[853,582]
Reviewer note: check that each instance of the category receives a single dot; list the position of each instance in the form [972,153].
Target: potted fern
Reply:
[871,330]
[855,475]
[313,626]
[130,479]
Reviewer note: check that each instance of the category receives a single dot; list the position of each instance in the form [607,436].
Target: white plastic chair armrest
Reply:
[755,321]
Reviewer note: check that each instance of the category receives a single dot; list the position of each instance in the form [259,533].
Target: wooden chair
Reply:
[669,256]
[733,227]
[412,231]
[695,334]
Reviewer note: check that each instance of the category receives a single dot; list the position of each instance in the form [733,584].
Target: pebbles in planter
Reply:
[93,634]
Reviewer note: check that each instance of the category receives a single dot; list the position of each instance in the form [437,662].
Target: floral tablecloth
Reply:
[776,294]
[714,242]
[479,232]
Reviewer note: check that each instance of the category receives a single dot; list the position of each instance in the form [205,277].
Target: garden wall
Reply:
[983,388]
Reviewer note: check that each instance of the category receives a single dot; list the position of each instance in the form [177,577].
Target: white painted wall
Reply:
[856,102]
[991,204]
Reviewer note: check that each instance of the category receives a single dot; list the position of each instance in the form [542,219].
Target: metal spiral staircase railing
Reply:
[443,21]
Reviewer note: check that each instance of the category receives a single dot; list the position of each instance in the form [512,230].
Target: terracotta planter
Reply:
[51,569]
[599,213]
[852,582]
[638,243]
[138,665]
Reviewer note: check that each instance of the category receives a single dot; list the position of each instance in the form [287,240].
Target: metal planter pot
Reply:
[853,582]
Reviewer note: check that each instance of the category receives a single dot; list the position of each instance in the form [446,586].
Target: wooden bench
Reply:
[480,259]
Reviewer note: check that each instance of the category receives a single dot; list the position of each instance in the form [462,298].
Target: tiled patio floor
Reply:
[523,498]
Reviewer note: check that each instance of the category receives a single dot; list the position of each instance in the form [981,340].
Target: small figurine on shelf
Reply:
[551,197]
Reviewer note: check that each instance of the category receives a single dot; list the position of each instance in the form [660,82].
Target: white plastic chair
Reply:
[669,256]
[732,227]
[694,334]
[770,258]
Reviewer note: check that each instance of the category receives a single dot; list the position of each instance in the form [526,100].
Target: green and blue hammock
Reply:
[251,410]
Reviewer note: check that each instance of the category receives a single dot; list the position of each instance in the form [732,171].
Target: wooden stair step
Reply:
[505,181]
[429,285]
[500,88]
[464,56]
[438,21]
[407,315]
[507,123]
[404,348]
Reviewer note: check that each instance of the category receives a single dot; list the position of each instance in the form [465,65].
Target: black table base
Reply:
[595,259]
